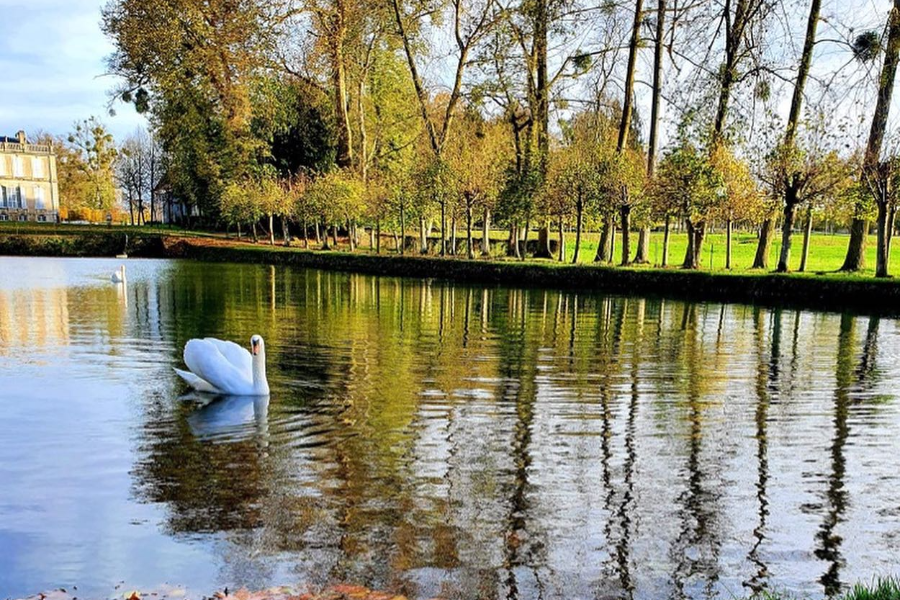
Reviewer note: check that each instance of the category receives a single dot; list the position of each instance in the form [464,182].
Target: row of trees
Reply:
[437,113]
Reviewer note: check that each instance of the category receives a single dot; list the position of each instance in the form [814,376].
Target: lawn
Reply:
[826,251]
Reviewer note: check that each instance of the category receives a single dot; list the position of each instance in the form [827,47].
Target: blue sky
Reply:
[52,63]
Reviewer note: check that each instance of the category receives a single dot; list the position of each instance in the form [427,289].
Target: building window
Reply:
[38,197]
[4,196]
[17,166]
[20,197]
[37,167]
[23,217]
[42,218]
[4,217]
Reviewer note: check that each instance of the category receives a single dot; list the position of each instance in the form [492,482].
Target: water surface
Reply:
[438,439]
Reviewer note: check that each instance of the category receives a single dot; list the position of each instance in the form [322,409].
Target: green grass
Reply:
[887,588]
[34,228]
[825,257]
[826,252]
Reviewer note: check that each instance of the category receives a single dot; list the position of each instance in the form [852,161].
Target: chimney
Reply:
[21,135]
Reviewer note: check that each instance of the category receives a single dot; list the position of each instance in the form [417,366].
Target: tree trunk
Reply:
[699,236]
[351,238]
[253,227]
[665,249]
[486,233]
[790,205]
[728,228]
[423,236]
[453,235]
[443,226]
[344,157]
[542,98]
[656,94]
[334,232]
[625,122]
[881,254]
[285,231]
[525,239]
[402,229]
[612,238]
[807,232]
[543,249]
[579,216]
[470,250]
[514,239]
[764,246]
[319,235]
[378,236]
[626,233]
[562,240]
[694,252]
[856,251]
[642,255]
[305,234]
[689,260]
[271,230]
[604,248]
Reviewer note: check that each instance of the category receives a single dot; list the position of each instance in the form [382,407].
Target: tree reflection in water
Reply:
[465,441]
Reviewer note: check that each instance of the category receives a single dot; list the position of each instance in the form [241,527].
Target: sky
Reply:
[52,68]
[52,63]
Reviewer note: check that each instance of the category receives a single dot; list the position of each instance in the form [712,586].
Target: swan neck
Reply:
[260,383]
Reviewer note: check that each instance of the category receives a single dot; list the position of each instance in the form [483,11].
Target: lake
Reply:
[438,439]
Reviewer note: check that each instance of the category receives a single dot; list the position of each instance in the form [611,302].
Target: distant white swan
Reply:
[219,367]
[119,275]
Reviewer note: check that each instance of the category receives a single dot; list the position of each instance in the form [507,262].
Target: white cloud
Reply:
[52,59]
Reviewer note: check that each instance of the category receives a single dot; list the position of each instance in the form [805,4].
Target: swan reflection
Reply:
[229,418]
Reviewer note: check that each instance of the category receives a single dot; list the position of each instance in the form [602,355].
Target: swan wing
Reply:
[197,383]
[205,360]
[235,354]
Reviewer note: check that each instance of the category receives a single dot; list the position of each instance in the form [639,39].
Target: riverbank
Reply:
[880,589]
[825,291]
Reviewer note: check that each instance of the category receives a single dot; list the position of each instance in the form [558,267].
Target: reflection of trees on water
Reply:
[424,436]
[696,549]
[852,378]
[766,377]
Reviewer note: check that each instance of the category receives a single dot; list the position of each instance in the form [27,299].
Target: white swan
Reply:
[119,275]
[219,367]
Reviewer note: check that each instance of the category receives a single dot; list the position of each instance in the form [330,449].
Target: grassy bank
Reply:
[887,588]
[833,291]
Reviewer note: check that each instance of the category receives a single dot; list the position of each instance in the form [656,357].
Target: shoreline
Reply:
[831,292]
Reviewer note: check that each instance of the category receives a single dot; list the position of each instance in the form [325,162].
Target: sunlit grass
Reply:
[826,251]
[884,588]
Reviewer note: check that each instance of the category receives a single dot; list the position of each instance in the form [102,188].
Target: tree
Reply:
[643,249]
[788,185]
[692,187]
[479,157]
[742,197]
[573,184]
[872,164]
[238,205]
[192,67]
[97,154]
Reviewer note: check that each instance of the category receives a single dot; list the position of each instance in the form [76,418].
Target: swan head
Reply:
[257,346]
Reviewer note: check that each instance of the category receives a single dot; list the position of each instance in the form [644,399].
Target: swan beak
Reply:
[254,348]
